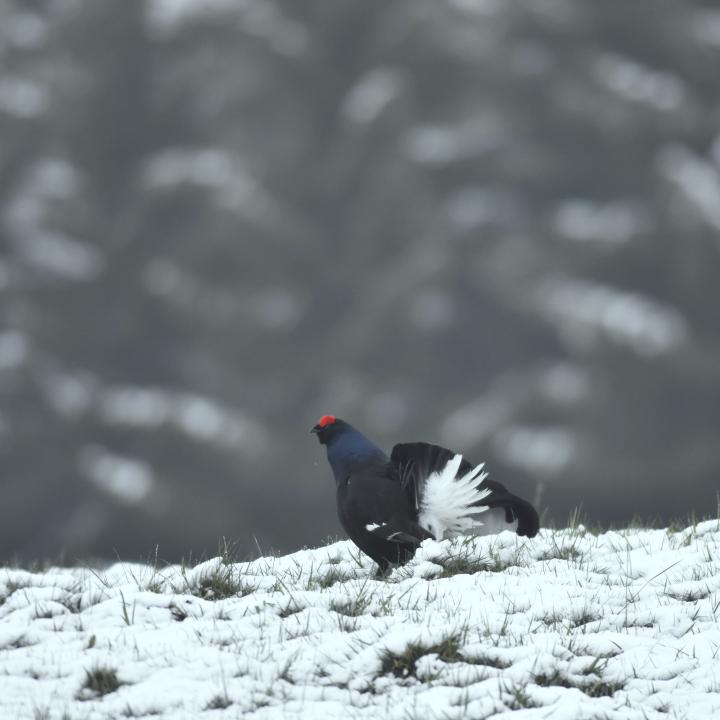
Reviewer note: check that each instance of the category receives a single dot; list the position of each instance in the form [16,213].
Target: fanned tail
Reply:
[528,522]
[449,503]
[417,462]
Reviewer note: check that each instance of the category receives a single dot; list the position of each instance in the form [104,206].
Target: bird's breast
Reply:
[370,500]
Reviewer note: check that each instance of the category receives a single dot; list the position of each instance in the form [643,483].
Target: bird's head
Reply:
[347,448]
[328,427]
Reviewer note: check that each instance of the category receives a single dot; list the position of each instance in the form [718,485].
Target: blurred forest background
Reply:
[493,224]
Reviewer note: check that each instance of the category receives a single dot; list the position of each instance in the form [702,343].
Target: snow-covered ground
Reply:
[567,625]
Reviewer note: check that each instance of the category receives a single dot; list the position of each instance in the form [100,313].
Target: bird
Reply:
[389,505]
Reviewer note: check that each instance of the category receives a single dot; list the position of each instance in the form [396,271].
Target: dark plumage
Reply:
[389,505]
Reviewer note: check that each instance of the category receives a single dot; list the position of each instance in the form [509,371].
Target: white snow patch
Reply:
[29,217]
[589,310]
[637,83]
[276,308]
[611,224]
[705,27]
[442,144]
[545,451]
[13,349]
[224,177]
[168,15]
[432,309]
[69,394]
[476,207]
[565,384]
[127,479]
[46,182]
[697,179]
[480,7]
[372,94]
[480,418]
[26,30]
[259,19]
[386,411]
[622,625]
[205,167]
[197,416]
[57,254]
[23,98]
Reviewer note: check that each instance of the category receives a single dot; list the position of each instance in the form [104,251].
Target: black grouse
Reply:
[388,506]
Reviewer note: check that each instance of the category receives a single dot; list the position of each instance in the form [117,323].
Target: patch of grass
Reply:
[554,679]
[583,618]
[220,584]
[602,688]
[551,619]
[592,687]
[347,624]
[689,595]
[219,702]
[519,699]
[564,546]
[155,586]
[43,613]
[72,603]
[100,681]
[330,578]
[20,642]
[404,664]
[598,657]
[464,565]
[466,559]
[486,661]
[350,607]
[284,673]
[179,614]
[385,607]
[128,618]
[129,712]
[12,586]
[596,667]
[566,552]
[348,610]
[292,608]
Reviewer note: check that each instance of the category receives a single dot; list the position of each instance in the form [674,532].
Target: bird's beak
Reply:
[316,429]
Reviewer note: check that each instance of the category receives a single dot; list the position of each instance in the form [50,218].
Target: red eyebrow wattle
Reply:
[326,420]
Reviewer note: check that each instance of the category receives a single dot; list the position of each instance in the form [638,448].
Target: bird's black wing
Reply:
[413,462]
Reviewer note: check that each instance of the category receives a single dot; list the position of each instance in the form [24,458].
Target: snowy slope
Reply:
[567,625]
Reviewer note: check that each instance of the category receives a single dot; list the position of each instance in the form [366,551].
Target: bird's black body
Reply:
[381,500]
[373,496]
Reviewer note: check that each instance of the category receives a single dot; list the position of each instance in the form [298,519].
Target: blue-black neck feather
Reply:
[350,450]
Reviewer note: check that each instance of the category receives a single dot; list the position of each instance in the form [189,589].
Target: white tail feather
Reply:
[449,502]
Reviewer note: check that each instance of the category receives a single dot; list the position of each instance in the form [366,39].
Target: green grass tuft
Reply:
[404,664]
[591,686]
[464,565]
[486,661]
[351,607]
[100,681]
[220,584]
[219,702]
[519,699]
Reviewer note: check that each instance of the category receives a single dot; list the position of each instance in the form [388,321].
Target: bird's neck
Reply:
[350,451]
